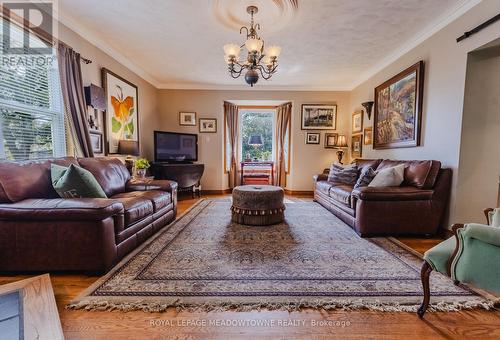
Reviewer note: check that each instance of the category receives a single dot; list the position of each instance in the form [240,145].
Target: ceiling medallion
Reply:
[260,60]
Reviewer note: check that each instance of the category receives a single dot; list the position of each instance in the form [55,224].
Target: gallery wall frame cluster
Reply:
[319,117]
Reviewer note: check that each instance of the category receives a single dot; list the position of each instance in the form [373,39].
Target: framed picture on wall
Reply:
[330,140]
[319,117]
[368,136]
[313,137]
[96,142]
[398,109]
[122,116]
[187,118]
[356,146]
[357,122]
[208,125]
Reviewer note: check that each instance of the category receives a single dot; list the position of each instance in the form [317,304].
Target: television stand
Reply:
[187,175]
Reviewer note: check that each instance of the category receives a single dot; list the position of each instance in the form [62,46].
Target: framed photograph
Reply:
[357,122]
[208,125]
[122,116]
[96,142]
[313,137]
[356,146]
[368,136]
[398,109]
[187,118]
[319,117]
[330,140]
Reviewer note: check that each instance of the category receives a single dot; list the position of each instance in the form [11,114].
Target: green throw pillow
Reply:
[75,182]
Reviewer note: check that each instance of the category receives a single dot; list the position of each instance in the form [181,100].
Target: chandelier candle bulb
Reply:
[231,50]
[274,51]
[254,45]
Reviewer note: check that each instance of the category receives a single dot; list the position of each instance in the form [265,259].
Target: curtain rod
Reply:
[478,28]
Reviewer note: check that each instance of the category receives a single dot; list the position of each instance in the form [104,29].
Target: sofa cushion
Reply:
[136,208]
[29,179]
[324,187]
[343,175]
[406,193]
[75,182]
[420,174]
[341,193]
[389,177]
[159,199]
[111,173]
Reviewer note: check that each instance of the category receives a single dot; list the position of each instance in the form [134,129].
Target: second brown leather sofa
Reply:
[417,207]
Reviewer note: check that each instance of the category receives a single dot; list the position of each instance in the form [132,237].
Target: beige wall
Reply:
[445,63]
[477,186]
[148,109]
[306,161]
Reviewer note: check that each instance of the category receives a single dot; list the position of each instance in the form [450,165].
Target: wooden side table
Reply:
[259,176]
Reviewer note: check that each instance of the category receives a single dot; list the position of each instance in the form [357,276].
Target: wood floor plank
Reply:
[309,323]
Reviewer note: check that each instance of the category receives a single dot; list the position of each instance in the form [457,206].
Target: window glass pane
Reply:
[259,126]
[31,113]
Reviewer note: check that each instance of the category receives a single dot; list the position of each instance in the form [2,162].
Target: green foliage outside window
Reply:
[257,123]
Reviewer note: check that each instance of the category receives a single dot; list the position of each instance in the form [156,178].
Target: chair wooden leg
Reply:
[424,275]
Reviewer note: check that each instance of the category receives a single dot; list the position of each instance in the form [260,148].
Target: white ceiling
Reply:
[327,44]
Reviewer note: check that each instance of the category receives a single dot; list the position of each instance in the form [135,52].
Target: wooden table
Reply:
[260,175]
[28,310]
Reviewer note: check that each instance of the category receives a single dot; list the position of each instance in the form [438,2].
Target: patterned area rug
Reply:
[313,259]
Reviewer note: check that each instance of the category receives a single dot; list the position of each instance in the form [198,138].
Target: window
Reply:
[31,113]
[260,124]
[256,122]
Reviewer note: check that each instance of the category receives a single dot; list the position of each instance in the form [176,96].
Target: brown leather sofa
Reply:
[417,207]
[41,232]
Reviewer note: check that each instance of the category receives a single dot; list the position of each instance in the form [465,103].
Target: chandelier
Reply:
[259,61]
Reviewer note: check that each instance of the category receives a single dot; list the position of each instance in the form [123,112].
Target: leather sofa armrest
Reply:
[74,209]
[320,177]
[391,194]
[139,185]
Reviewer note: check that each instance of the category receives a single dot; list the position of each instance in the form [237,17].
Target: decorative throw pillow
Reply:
[389,177]
[75,182]
[344,175]
[367,175]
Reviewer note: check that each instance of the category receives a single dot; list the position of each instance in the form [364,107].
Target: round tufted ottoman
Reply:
[258,205]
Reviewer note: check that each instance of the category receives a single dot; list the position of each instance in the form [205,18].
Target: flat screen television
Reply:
[173,147]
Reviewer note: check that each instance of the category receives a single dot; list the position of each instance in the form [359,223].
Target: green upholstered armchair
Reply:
[471,256]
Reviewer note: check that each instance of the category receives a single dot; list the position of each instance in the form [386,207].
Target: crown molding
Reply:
[438,24]
[195,86]
[68,21]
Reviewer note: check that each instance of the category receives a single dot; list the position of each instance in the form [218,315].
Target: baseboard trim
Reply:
[299,192]
[216,192]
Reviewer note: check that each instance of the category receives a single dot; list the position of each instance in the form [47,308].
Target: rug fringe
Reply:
[290,307]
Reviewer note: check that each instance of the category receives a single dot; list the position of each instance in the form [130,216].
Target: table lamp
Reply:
[129,148]
[341,144]
[255,141]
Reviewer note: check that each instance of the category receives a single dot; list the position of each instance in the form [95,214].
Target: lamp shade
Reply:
[128,147]
[255,140]
[341,142]
[254,44]
[94,96]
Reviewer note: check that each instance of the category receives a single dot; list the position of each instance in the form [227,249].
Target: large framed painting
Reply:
[122,116]
[398,109]
[319,117]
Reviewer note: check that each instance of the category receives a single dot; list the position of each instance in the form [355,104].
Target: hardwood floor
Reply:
[306,324]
